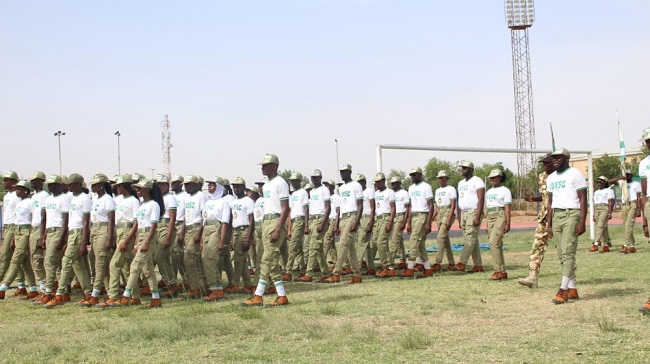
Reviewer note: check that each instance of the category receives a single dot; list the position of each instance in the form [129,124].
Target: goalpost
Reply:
[590,171]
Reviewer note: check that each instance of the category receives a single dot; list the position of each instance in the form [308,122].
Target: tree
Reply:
[608,166]
[406,180]
[435,165]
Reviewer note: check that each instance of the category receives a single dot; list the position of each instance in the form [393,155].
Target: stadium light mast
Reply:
[520,15]
[58,134]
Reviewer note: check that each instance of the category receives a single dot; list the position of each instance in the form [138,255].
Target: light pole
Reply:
[119,166]
[152,170]
[337,154]
[58,134]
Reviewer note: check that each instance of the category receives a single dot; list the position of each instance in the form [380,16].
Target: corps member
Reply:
[603,206]
[243,225]
[471,199]
[216,217]
[10,199]
[497,202]
[385,216]
[402,215]
[178,250]
[166,238]
[298,226]
[444,215]
[365,248]
[35,244]
[567,211]
[192,233]
[630,208]
[421,197]
[329,243]
[276,212]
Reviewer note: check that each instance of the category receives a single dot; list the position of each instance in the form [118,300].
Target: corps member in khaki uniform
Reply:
[243,224]
[497,203]
[471,199]
[385,216]
[421,197]
[298,226]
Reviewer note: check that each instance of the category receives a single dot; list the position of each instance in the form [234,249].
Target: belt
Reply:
[146,229]
[8,226]
[192,225]
[298,218]
[53,229]
[271,216]
[72,230]
[564,210]
[316,216]
[494,209]
[601,204]
[22,226]
[383,216]
[447,207]
[178,223]
[258,223]
[400,213]
[416,213]
[122,225]
[212,222]
[240,228]
[348,214]
[100,224]
[36,227]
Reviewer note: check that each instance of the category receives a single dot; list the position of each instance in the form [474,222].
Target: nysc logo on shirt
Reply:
[416,193]
[558,184]
[267,194]
[140,213]
[237,207]
[441,193]
[491,196]
[463,188]
[189,205]
[345,194]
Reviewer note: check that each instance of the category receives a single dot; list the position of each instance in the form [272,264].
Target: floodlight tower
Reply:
[520,15]
[167,145]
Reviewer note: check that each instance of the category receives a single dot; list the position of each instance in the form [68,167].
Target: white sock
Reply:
[596,243]
[565,282]
[427,265]
[22,285]
[127,293]
[418,260]
[4,287]
[41,285]
[261,287]
[572,283]
[155,295]
[95,293]
[279,287]
[411,264]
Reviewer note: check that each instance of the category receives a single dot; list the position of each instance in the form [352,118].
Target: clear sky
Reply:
[242,78]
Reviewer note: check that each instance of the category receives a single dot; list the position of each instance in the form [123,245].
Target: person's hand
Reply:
[354,227]
[275,234]
[580,229]
[609,216]
[645,232]
[476,221]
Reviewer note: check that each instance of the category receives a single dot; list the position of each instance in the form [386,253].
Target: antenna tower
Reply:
[167,146]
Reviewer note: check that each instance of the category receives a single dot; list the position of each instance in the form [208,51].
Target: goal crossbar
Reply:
[590,170]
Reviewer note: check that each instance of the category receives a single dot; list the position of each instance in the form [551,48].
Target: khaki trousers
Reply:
[380,235]
[347,249]
[470,238]
[240,256]
[397,239]
[7,252]
[329,244]
[271,271]
[601,224]
[211,256]
[418,237]
[628,213]
[444,243]
[162,255]
[73,263]
[53,258]
[37,253]
[259,251]
[564,225]
[177,254]
[295,249]
[192,259]
[316,245]
[120,264]
[98,240]
[143,264]
[496,221]
[20,260]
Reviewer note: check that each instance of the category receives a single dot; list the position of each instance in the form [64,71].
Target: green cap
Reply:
[125,178]
[415,170]
[562,151]
[442,173]
[191,179]
[268,159]
[360,177]
[24,183]
[98,178]
[75,178]
[239,181]
[177,178]
[54,178]
[379,176]
[38,175]
[395,179]
[309,186]
[495,173]
[144,183]
[467,164]
[295,176]
[345,167]
[11,175]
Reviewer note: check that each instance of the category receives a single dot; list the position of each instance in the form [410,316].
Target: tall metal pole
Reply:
[152,171]
[119,163]
[337,154]
[58,135]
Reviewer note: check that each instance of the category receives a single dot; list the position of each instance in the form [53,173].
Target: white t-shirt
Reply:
[401,200]
[147,214]
[603,195]
[299,199]
[317,198]
[335,201]
[419,194]
[170,204]
[217,209]
[259,209]
[467,193]
[444,195]
[242,208]
[564,187]
[101,207]
[644,171]
[368,194]
[55,207]
[38,200]
[23,212]
[350,193]
[180,206]
[383,200]
[633,188]
[194,206]
[9,205]
[498,197]
[126,208]
[275,190]
[80,205]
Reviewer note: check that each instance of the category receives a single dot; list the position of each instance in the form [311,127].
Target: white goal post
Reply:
[590,168]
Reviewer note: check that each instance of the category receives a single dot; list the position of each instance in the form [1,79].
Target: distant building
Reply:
[580,161]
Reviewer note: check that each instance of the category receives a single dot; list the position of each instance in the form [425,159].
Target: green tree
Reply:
[608,166]
[435,165]
[406,180]
[2,189]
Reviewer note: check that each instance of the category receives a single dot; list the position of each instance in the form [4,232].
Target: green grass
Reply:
[450,317]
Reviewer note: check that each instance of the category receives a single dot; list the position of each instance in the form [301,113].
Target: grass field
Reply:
[451,317]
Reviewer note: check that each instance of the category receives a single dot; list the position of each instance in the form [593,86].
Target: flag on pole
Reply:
[552,138]
[624,192]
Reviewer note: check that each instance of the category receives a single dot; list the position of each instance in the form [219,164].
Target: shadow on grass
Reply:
[604,280]
[611,292]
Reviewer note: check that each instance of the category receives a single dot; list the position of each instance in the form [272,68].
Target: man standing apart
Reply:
[567,212]
[444,215]
[421,196]
[540,242]
[471,197]
[630,209]
[276,212]
[351,206]
[365,248]
[402,215]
